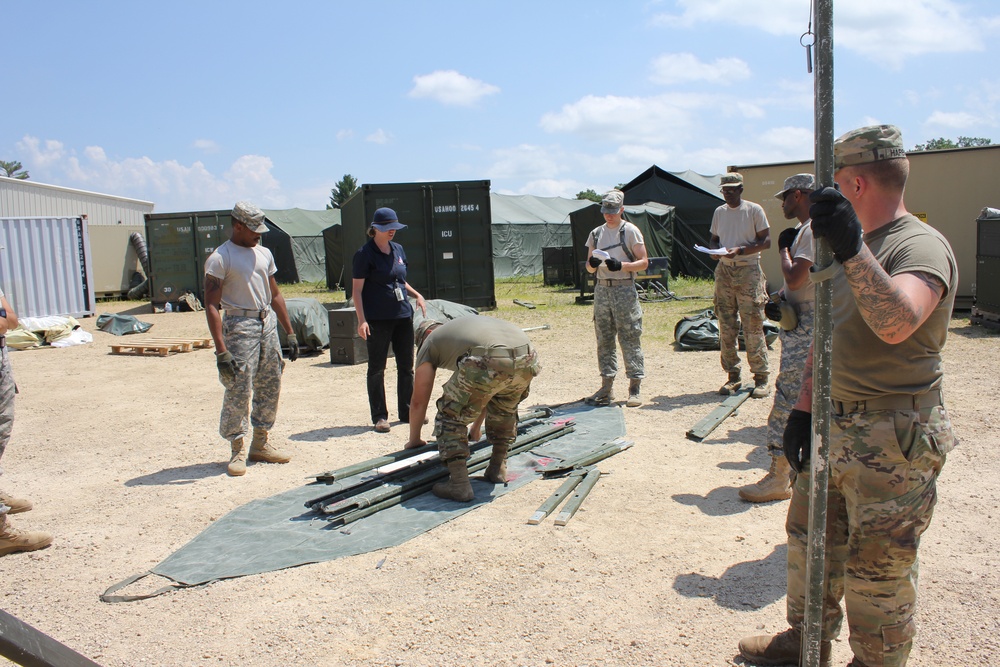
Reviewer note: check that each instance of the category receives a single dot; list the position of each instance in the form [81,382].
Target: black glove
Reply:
[772,311]
[594,261]
[787,237]
[293,347]
[797,439]
[613,264]
[227,366]
[833,219]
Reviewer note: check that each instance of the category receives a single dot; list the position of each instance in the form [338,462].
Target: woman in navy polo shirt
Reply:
[385,315]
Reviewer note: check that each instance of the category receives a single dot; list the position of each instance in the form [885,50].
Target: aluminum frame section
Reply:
[30,199]
[45,266]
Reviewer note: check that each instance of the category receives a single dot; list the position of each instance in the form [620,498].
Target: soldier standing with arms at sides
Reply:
[889,431]
[239,279]
[385,316]
[741,228]
[12,539]
[494,363]
[795,251]
[615,253]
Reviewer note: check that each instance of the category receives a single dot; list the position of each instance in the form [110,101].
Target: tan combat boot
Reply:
[732,386]
[776,484]
[781,649]
[634,398]
[760,388]
[604,395]
[14,539]
[263,452]
[496,471]
[458,487]
[238,461]
[16,505]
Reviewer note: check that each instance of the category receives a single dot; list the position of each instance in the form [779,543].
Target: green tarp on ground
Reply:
[280,532]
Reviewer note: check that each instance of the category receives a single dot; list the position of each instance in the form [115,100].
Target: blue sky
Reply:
[194,105]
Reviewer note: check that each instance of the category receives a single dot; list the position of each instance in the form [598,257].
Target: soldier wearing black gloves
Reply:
[889,431]
[615,253]
[239,281]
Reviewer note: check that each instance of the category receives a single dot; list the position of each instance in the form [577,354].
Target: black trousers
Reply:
[399,334]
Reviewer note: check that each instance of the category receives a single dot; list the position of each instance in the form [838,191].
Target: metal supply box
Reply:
[448,239]
[348,350]
[179,244]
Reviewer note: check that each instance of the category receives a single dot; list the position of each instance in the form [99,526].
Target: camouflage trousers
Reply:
[883,469]
[740,295]
[476,384]
[257,353]
[794,352]
[617,313]
[7,391]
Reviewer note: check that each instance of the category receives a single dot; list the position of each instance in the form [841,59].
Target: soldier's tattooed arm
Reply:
[893,306]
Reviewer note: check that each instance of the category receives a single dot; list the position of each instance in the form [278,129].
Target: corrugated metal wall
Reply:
[45,266]
[39,200]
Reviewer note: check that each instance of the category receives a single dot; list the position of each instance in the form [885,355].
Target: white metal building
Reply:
[110,220]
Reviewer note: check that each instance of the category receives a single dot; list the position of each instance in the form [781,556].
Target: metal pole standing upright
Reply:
[822,348]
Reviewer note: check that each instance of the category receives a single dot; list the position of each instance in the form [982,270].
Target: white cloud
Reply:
[957,120]
[887,31]
[379,136]
[343,135]
[451,88]
[170,185]
[671,68]
[206,145]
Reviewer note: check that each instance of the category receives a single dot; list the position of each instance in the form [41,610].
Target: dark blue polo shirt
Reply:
[382,273]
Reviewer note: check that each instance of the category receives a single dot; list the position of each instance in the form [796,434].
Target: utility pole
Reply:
[822,347]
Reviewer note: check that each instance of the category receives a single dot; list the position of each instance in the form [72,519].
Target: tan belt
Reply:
[741,262]
[506,360]
[500,352]
[930,399]
[614,282]
[256,314]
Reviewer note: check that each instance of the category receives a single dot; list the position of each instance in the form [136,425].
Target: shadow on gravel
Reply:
[743,586]
[180,475]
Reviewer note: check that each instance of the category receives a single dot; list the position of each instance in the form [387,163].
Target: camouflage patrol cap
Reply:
[424,329]
[249,215]
[805,182]
[868,144]
[733,180]
[613,201]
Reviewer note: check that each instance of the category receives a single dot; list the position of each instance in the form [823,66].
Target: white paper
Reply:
[710,251]
[600,254]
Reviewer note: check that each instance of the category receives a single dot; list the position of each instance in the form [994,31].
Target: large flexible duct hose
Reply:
[139,290]
[135,238]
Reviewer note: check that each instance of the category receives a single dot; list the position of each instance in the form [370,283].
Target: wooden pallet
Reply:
[161,346]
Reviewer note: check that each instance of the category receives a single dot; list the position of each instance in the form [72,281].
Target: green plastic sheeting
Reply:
[121,325]
[280,532]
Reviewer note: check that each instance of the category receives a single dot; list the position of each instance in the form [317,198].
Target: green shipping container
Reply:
[179,244]
[448,239]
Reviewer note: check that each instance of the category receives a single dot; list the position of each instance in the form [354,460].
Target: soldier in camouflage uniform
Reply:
[239,279]
[494,364]
[794,312]
[740,227]
[889,432]
[615,253]
[12,539]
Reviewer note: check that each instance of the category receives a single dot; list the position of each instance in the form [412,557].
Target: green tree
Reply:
[588,194]
[14,169]
[342,191]
[963,142]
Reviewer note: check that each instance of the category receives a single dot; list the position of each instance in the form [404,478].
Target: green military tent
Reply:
[522,225]
[295,238]
[694,198]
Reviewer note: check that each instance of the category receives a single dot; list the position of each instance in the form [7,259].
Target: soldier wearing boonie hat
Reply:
[239,281]
[890,431]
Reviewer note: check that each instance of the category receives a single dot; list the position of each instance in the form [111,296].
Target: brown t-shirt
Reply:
[455,338]
[866,367]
